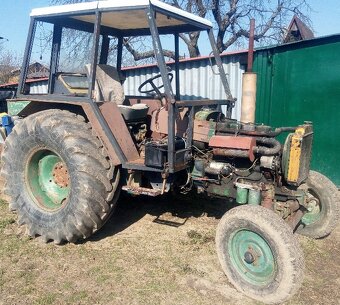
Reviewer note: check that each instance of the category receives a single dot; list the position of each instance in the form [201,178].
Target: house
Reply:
[297,30]
[35,70]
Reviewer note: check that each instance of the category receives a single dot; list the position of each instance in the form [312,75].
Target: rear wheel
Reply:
[259,254]
[58,176]
[323,207]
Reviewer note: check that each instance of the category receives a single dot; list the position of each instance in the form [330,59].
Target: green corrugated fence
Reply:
[301,82]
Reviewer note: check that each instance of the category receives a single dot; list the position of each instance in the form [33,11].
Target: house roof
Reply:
[28,81]
[36,65]
[298,30]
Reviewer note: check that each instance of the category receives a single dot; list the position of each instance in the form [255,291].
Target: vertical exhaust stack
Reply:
[248,103]
[248,97]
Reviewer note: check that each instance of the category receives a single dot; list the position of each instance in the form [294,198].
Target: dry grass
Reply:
[150,252]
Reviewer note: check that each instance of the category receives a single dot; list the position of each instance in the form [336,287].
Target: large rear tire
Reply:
[259,254]
[58,176]
[324,211]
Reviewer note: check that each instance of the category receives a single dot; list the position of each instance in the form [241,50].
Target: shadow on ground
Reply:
[131,209]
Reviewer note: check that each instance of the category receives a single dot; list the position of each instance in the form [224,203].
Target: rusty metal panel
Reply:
[119,129]
[100,132]
[159,122]
[245,144]
[232,142]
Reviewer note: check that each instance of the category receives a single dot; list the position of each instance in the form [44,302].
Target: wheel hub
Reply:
[249,258]
[60,175]
[48,179]
[313,209]
[252,257]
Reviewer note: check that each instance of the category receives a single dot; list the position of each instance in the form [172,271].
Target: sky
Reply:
[14,20]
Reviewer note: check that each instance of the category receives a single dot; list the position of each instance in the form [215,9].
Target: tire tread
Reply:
[93,167]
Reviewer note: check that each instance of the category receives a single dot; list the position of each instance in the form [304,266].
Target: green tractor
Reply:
[84,142]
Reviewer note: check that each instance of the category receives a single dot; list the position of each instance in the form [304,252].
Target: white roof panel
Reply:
[61,9]
[123,3]
[180,12]
[116,5]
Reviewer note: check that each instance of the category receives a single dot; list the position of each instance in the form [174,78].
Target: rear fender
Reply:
[124,150]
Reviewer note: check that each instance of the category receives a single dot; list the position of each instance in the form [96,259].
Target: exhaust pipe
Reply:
[248,102]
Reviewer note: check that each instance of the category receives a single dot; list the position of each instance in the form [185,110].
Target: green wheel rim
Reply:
[314,209]
[48,180]
[252,257]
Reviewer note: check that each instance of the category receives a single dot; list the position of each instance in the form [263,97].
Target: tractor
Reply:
[76,148]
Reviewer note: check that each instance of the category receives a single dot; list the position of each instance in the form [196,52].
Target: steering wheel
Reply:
[154,87]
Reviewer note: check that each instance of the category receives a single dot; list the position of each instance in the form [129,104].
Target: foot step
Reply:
[142,191]
[169,222]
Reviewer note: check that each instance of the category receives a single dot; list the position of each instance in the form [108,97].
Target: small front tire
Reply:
[259,254]
[324,210]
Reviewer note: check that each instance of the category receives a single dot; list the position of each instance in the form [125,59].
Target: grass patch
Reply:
[188,270]
[2,277]
[198,238]
[3,201]
[68,285]
[102,278]
[47,299]
[78,296]
[28,290]
[6,222]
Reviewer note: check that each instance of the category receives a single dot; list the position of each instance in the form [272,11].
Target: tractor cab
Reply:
[156,110]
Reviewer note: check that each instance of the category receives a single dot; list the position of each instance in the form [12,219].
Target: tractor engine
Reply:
[246,162]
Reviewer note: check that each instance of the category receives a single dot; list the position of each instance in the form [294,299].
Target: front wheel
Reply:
[323,207]
[259,254]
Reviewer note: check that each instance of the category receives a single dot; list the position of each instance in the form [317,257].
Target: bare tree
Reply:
[197,7]
[231,19]
[231,22]
[8,62]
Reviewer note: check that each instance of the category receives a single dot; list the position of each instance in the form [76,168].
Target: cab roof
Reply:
[125,16]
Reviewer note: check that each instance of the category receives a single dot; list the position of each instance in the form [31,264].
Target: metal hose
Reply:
[270,147]
[222,128]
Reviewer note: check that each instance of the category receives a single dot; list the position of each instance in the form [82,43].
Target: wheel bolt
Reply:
[248,257]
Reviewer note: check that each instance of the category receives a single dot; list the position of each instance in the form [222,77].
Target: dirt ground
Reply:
[152,251]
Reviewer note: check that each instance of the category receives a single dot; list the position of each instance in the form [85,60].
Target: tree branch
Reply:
[144,55]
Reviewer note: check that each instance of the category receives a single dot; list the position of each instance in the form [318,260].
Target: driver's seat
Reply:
[108,84]
[108,88]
